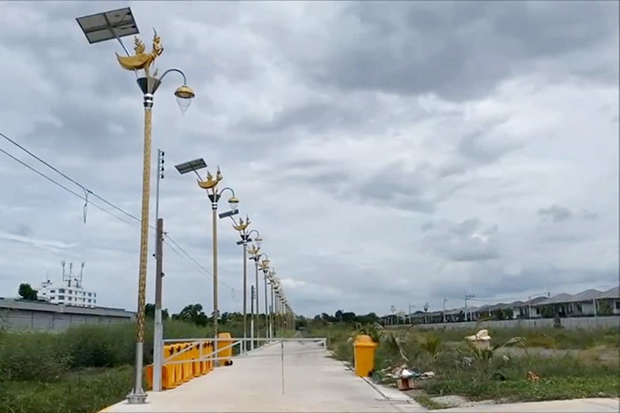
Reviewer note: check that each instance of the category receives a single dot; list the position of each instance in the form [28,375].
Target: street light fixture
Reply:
[241,227]
[210,184]
[114,25]
[256,255]
[253,250]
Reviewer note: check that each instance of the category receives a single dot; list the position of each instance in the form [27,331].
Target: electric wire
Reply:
[88,191]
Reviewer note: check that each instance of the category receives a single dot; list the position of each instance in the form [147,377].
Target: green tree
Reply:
[604,308]
[547,311]
[149,311]
[192,314]
[27,292]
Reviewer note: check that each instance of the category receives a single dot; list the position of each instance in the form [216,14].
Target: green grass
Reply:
[82,369]
[86,391]
[572,368]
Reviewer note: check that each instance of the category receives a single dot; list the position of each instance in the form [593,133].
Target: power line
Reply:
[85,198]
[86,190]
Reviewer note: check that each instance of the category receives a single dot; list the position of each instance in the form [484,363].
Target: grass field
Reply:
[80,370]
[569,363]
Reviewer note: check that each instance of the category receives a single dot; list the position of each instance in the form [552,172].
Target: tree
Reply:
[149,311]
[547,311]
[192,314]
[26,292]
[338,315]
[604,308]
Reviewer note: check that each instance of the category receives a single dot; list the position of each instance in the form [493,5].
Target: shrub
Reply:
[30,356]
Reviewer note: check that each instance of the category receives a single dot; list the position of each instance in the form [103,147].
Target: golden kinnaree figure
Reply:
[211,181]
[242,224]
[142,60]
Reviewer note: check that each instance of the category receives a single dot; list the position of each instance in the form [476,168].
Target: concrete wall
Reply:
[571,323]
[18,319]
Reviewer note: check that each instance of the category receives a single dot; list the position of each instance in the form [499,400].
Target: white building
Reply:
[76,296]
[71,293]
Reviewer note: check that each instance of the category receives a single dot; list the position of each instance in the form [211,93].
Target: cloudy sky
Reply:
[389,153]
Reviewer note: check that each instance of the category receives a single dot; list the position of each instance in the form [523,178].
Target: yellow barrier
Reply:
[225,340]
[190,366]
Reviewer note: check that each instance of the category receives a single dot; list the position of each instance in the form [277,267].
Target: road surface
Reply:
[313,382]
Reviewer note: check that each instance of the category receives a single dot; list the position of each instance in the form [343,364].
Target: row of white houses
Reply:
[589,303]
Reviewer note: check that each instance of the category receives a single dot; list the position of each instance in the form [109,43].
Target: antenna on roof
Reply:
[78,279]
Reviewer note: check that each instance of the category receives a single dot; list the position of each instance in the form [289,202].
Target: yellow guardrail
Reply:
[185,361]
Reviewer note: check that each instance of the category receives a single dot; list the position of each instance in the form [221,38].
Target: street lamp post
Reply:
[273,282]
[214,194]
[255,256]
[114,25]
[241,227]
[264,267]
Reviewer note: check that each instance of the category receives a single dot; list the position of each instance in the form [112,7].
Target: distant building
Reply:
[70,293]
[76,296]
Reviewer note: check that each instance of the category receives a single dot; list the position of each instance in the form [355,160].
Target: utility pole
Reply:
[158,331]
[410,316]
[159,327]
[252,317]
[467,297]
[445,300]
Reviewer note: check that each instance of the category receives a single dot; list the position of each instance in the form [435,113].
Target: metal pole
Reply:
[257,335]
[466,318]
[282,363]
[595,312]
[271,314]
[245,292]
[444,310]
[266,304]
[529,307]
[252,318]
[137,396]
[215,303]
[158,335]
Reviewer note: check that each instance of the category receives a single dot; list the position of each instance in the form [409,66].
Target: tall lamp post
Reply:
[254,255]
[275,285]
[214,194]
[114,25]
[241,227]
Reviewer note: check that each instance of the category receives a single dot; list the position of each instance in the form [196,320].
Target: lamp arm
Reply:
[161,78]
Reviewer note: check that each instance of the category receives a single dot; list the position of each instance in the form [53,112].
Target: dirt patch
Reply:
[444,402]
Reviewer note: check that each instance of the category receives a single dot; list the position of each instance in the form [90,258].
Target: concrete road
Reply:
[313,382]
[576,406]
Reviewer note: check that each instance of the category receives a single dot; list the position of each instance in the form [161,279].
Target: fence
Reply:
[587,323]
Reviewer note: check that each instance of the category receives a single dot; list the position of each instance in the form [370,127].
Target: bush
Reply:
[28,356]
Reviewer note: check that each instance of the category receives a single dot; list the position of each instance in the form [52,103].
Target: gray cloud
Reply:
[406,50]
[555,213]
[388,153]
[470,240]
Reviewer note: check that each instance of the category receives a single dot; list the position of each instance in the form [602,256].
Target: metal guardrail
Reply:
[185,359]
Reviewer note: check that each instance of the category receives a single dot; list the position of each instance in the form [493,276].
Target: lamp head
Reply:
[233,202]
[184,95]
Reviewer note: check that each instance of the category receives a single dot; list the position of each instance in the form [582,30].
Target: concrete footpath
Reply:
[572,406]
[313,382]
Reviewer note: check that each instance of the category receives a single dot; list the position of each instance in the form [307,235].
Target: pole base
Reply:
[136,397]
